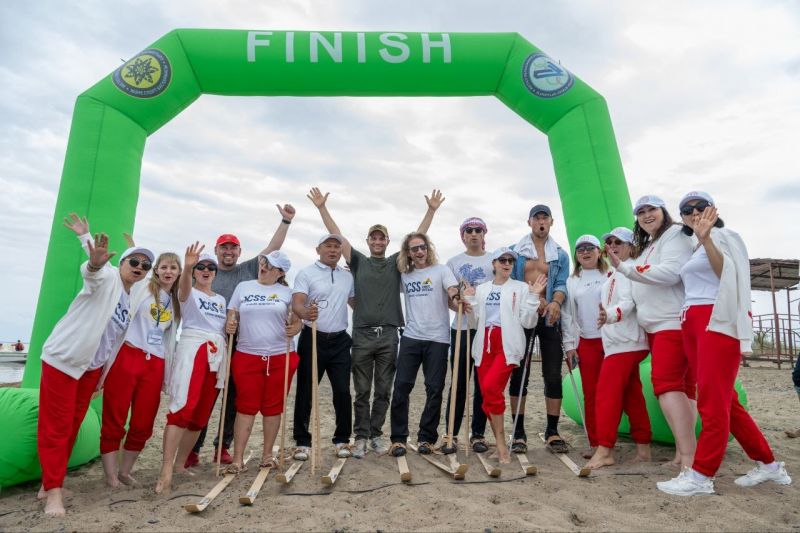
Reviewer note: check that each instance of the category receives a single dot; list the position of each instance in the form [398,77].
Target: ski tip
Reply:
[584,472]
[531,471]
[405,477]
[192,508]
[327,480]
[495,473]
[245,500]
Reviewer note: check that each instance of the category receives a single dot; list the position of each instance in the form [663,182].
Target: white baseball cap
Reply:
[504,250]
[695,195]
[650,200]
[207,257]
[331,236]
[278,259]
[138,250]
[587,239]
[621,233]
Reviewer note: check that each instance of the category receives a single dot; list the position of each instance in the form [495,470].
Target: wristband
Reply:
[557,302]
[91,268]
[286,221]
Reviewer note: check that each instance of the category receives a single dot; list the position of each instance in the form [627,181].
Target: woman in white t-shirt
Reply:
[579,321]
[625,346]
[717,327]
[197,371]
[133,377]
[259,308]
[430,290]
[502,308]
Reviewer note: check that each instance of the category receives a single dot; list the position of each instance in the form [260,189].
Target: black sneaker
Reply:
[397,449]
[478,444]
[447,449]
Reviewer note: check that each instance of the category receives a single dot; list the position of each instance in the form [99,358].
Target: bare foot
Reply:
[588,453]
[42,494]
[112,480]
[642,454]
[184,472]
[599,461]
[164,485]
[505,458]
[55,504]
[126,479]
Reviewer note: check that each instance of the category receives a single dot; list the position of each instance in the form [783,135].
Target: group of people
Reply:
[677,291]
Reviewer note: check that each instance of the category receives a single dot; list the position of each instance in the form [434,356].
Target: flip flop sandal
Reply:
[519,446]
[479,445]
[398,449]
[233,468]
[271,462]
[424,448]
[557,446]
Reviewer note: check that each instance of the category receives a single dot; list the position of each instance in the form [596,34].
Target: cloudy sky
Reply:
[702,95]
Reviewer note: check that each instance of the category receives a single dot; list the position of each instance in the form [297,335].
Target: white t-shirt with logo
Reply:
[115,328]
[147,318]
[588,295]
[474,270]
[493,306]
[427,313]
[263,310]
[203,312]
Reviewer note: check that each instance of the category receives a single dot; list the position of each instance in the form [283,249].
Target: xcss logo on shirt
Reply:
[419,286]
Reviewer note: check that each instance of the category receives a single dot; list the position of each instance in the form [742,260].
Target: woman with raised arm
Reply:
[579,323]
[502,308]
[198,368]
[625,347]
[717,327]
[260,310]
[74,354]
[660,249]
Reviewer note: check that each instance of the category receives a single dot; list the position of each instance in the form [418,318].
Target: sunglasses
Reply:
[689,209]
[585,248]
[135,263]
[203,266]
[615,242]
[418,248]
[506,260]
[473,230]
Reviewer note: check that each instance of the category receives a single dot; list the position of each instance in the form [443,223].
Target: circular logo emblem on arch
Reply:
[544,77]
[145,76]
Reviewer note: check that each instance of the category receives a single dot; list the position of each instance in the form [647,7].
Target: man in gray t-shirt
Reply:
[376,318]
[229,274]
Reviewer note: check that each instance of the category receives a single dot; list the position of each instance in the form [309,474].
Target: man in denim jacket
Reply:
[539,254]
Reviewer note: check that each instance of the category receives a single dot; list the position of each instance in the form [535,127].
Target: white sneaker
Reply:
[301,453]
[343,450]
[378,446]
[686,485]
[760,474]
[359,448]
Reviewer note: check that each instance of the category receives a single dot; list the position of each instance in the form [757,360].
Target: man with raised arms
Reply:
[542,255]
[376,319]
[229,274]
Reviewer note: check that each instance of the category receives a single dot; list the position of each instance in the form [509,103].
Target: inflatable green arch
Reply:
[114,117]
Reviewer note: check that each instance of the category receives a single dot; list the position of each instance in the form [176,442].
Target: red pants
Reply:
[618,388]
[717,357]
[591,355]
[494,372]
[63,402]
[671,368]
[201,397]
[259,382]
[133,384]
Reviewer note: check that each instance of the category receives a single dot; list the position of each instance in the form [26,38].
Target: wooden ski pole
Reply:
[220,435]
[314,398]
[454,377]
[469,389]
[286,364]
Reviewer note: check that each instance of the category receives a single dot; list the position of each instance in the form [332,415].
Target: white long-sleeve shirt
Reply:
[582,307]
[621,332]
[657,288]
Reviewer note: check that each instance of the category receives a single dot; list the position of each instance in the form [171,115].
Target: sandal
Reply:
[424,448]
[446,449]
[271,462]
[397,449]
[479,444]
[557,445]
[234,469]
[519,446]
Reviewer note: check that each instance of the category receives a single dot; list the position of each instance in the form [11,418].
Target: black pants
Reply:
[552,355]
[230,415]
[433,358]
[478,426]
[333,358]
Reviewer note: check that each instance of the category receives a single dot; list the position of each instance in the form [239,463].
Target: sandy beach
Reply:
[370,496]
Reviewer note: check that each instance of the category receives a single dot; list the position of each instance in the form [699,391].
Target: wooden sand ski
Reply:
[458,473]
[527,467]
[216,491]
[455,465]
[255,488]
[491,470]
[286,477]
[402,467]
[564,458]
[333,475]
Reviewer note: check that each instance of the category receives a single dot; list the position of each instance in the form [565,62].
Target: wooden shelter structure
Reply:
[777,334]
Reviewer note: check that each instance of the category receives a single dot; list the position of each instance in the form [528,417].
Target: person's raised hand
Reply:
[615,260]
[706,221]
[79,225]
[192,256]
[287,211]
[317,198]
[98,252]
[435,199]
[539,285]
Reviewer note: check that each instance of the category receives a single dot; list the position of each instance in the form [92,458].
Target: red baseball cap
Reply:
[228,237]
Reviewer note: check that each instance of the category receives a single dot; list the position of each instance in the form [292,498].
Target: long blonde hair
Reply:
[155,287]
[404,263]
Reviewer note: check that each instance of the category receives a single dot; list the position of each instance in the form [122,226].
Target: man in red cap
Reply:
[229,274]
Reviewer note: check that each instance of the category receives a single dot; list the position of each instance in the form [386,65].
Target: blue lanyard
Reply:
[158,306]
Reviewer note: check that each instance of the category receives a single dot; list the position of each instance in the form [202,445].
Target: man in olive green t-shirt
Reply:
[376,317]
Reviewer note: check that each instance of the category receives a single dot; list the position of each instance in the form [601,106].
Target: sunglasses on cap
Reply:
[689,209]
[135,263]
[506,260]
[585,248]
[615,242]
[473,230]
[210,267]
[418,248]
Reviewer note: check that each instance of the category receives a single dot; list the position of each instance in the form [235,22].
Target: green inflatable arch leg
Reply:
[113,118]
